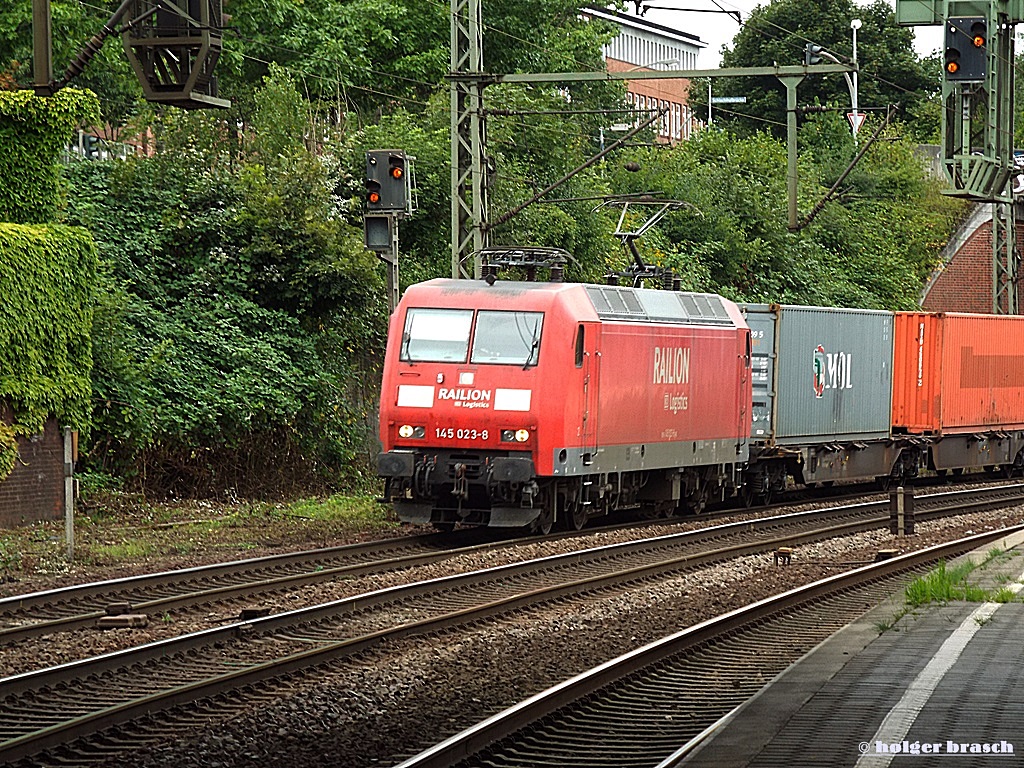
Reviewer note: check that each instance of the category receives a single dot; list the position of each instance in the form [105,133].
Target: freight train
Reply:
[531,404]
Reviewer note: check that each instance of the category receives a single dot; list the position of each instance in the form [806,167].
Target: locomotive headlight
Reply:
[515,435]
[408,430]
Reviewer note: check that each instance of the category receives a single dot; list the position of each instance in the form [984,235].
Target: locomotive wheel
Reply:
[574,516]
[657,510]
[546,519]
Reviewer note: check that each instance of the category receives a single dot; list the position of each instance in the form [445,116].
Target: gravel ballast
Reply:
[402,697]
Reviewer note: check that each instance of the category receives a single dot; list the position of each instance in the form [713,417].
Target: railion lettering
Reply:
[671,365]
[465,395]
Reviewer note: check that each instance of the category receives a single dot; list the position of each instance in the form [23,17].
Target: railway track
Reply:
[79,606]
[649,708]
[48,708]
[83,606]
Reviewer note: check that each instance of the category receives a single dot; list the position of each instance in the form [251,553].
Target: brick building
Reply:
[963,282]
[34,491]
[641,45]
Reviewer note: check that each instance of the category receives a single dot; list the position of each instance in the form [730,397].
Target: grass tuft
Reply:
[944,584]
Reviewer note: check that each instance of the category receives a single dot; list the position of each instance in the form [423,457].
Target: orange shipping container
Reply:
[958,373]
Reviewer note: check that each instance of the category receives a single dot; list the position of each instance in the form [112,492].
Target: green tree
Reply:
[238,302]
[890,72]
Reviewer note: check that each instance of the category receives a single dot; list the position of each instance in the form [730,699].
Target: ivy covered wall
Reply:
[34,132]
[47,271]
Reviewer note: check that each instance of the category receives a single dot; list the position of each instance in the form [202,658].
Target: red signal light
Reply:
[978,40]
[397,172]
[952,67]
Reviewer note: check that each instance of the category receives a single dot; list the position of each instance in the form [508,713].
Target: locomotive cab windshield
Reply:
[434,335]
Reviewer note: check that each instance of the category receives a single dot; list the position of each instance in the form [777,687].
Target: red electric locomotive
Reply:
[514,404]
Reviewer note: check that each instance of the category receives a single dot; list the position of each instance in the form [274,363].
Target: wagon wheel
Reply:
[894,479]
[1017,468]
[749,495]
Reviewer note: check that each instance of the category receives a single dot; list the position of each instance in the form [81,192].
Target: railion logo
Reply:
[832,370]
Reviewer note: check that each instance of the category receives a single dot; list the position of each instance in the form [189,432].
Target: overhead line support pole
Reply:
[470,167]
[42,56]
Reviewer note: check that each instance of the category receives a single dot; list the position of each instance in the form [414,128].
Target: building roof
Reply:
[638,22]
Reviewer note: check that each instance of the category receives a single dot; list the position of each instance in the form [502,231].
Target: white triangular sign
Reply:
[856,120]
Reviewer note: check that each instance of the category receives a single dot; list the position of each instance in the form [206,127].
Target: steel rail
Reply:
[504,725]
[211,683]
[148,593]
[31,683]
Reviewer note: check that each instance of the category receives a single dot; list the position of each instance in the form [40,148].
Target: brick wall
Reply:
[965,283]
[34,491]
[671,94]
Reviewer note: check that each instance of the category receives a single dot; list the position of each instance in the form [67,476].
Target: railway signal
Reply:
[386,180]
[388,197]
[812,54]
[966,49]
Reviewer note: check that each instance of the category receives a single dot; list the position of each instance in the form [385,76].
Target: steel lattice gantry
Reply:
[977,125]
[173,46]
[468,131]
[471,168]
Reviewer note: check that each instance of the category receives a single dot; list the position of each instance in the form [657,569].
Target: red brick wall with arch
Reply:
[965,284]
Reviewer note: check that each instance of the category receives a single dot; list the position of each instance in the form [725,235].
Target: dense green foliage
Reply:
[239,323]
[237,304]
[46,281]
[33,134]
[46,272]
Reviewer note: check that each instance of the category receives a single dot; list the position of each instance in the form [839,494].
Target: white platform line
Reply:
[901,717]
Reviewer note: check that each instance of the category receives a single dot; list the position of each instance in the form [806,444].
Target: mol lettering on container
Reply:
[832,370]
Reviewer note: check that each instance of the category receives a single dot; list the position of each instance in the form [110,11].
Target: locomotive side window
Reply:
[579,347]
[509,338]
[436,335]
